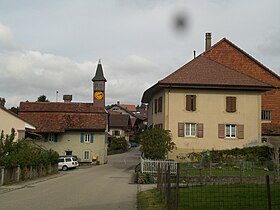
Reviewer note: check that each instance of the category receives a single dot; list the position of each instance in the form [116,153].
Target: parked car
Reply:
[67,162]
[133,144]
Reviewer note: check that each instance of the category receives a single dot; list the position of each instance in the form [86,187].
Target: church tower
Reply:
[99,87]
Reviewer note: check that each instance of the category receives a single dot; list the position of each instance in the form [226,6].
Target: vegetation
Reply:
[259,153]
[117,144]
[150,200]
[14,109]
[156,143]
[42,98]
[2,101]
[23,153]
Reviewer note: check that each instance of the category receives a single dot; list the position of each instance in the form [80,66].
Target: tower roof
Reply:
[99,76]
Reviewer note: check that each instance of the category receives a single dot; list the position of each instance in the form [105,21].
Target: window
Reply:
[190,130]
[230,104]
[68,159]
[86,155]
[266,115]
[52,137]
[116,133]
[156,106]
[230,131]
[87,138]
[191,102]
[160,104]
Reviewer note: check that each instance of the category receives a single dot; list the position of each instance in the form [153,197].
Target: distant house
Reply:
[136,119]
[72,128]
[120,126]
[230,55]
[207,105]
[11,120]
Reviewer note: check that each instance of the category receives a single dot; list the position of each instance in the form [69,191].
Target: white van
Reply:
[66,162]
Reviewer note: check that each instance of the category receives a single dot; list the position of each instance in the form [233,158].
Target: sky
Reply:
[55,45]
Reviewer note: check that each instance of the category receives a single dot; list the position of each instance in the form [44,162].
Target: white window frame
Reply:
[51,137]
[87,138]
[84,155]
[231,131]
[190,129]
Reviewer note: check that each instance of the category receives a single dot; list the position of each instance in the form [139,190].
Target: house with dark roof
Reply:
[72,128]
[120,126]
[10,120]
[207,106]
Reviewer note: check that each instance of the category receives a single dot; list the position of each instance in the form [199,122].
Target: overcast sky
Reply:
[49,46]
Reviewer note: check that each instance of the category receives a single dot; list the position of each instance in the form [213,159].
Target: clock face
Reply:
[98,95]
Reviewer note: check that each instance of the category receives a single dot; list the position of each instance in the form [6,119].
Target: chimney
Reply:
[207,41]
[67,98]
[118,102]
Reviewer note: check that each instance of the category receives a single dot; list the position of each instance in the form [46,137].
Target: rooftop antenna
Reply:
[56,95]
[194,54]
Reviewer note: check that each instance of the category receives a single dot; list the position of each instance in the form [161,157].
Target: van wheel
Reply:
[64,168]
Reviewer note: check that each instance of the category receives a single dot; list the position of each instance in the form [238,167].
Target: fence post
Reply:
[2,175]
[168,188]
[177,187]
[18,173]
[142,163]
[268,193]
[241,171]
[158,177]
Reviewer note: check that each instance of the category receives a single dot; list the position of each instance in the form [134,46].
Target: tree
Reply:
[42,98]
[14,109]
[2,101]
[156,143]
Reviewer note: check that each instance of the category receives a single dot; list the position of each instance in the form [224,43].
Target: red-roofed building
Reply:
[72,128]
[208,105]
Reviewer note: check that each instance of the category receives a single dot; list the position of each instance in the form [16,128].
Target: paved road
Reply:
[101,187]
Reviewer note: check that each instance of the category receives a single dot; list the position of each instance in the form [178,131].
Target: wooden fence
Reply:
[12,175]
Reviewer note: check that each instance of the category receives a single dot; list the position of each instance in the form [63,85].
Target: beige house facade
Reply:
[206,106]
[9,120]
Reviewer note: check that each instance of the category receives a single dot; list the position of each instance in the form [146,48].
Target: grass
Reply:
[150,200]
[218,197]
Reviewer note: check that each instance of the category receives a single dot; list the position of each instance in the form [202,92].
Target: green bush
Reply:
[23,153]
[118,144]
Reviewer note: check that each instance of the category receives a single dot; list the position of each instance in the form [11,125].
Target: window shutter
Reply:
[156,106]
[230,104]
[180,129]
[91,138]
[82,137]
[200,130]
[193,102]
[221,131]
[240,130]
[160,104]
[188,102]
[55,137]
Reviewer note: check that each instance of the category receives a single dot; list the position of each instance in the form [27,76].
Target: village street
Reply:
[107,186]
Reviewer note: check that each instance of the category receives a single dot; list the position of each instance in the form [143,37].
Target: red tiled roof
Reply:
[204,71]
[129,107]
[59,117]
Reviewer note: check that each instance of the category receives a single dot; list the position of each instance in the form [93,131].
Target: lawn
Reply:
[226,197]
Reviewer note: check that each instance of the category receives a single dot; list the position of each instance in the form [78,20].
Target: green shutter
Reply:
[91,138]
[82,137]
[55,137]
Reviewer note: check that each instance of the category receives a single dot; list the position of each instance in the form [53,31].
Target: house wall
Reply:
[122,133]
[230,56]
[158,118]
[8,121]
[71,141]
[211,111]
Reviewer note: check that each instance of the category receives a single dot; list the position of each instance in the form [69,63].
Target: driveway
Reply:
[101,187]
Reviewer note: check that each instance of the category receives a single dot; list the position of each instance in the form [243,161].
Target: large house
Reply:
[10,120]
[207,106]
[72,128]
[228,54]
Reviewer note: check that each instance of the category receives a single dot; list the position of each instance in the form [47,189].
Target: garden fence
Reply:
[151,166]
[196,188]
